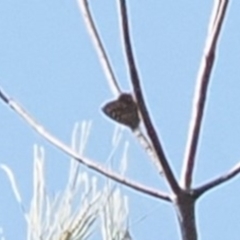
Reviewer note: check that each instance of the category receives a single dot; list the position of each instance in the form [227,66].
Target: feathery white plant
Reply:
[73,213]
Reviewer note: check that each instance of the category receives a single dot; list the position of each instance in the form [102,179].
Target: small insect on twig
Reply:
[123,110]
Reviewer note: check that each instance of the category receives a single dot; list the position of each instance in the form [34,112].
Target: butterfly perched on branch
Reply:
[123,110]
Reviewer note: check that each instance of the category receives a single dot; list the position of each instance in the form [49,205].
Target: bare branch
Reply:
[201,91]
[185,208]
[92,29]
[104,59]
[66,149]
[140,100]
[219,180]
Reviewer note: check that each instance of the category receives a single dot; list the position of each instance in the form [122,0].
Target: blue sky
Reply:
[48,64]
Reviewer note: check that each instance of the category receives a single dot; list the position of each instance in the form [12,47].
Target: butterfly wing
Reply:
[123,110]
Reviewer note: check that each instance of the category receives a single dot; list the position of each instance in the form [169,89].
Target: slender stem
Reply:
[217,181]
[201,92]
[140,100]
[68,150]
[108,70]
[97,42]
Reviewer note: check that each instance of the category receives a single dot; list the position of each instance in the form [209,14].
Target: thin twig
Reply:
[201,92]
[97,42]
[66,149]
[108,70]
[140,100]
[145,143]
[197,192]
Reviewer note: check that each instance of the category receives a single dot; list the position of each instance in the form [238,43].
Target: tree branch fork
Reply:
[182,195]
[217,20]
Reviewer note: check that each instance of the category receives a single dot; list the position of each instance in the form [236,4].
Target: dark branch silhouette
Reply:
[141,103]
[197,192]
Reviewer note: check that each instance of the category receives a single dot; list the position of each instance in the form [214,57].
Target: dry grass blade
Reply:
[114,216]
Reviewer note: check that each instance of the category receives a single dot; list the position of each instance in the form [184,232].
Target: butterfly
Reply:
[123,110]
